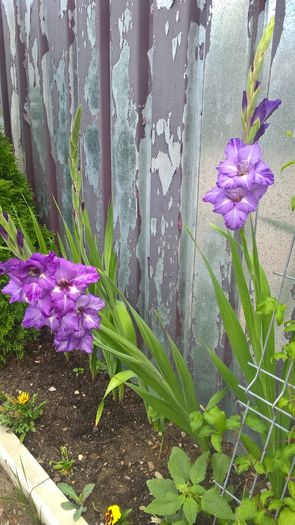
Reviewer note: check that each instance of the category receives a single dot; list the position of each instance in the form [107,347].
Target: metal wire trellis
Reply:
[282,385]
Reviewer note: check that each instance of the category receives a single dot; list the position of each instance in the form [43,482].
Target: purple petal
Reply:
[265,109]
[258,192]
[91,302]
[228,167]
[261,131]
[223,204]
[232,149]
[235,219]
[211,195]
[250,154]
[15,289]
[263,175]
[70,321]
[33,318]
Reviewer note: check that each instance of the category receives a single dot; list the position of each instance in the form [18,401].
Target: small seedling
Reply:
[78,371]
[65,465]
[79,501]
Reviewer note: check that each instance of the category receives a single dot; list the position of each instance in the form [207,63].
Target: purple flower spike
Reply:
[235,205]
[262,112]
[243,167]
[6,216]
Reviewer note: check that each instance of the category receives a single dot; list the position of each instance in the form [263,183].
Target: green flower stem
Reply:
[253,89]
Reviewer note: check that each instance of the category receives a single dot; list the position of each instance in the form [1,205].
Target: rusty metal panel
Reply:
[160,84]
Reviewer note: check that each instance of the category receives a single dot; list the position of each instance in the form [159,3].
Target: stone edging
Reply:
[23,469]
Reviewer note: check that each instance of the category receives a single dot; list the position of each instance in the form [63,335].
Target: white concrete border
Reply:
[23,469]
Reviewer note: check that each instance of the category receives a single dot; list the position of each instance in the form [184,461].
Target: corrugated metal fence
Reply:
[160,82]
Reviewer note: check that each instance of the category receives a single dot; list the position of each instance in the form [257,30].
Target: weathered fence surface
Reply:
[160,82]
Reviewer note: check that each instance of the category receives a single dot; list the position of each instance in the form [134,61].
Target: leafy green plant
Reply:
[82,246]
[253,346]
[78,500]
[181,499]
[213,423]
[20,413]
[64,465]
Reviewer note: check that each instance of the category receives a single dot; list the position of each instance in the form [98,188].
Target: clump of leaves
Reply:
[182,498]
[78,501]
[64,465]
[20,413]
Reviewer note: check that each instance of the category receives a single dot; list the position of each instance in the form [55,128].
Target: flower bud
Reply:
[3,233]
[20,239]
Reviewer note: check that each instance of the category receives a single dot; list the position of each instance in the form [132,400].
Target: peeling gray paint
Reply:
[91,27]
[176,41]
[124,25]
[124,159]
[164,3]
[166,163]
[91,89]
[92,155]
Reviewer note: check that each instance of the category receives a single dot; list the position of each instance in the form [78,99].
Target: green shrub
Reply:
[15,197]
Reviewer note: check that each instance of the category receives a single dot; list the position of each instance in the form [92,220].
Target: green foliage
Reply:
[212,423]
[19,414]
[185,496]
[78,500]
[78,371]
[64,465]
[16,198]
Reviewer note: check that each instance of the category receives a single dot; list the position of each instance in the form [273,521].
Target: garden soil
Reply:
[119,455]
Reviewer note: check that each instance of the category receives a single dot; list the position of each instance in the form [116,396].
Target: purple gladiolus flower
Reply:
[72,279]
[54,290]
[262,112]
[243,167]
[84,317]
[236,204]
[39,267]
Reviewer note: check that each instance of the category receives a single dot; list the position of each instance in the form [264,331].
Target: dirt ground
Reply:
[11,512]
[119,455]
